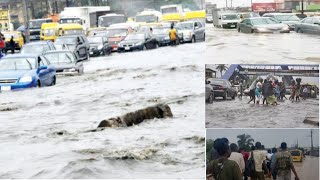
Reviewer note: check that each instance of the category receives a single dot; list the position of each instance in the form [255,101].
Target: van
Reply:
[225,19]
[70,29]
[297,155]
[49,31]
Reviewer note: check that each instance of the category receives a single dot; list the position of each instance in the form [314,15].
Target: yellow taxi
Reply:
[297,155]
[17,38]
[49,31]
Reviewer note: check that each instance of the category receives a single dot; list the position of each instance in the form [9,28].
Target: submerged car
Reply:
[192,31]
[139,41]
[222,88]
[309,25]
[65,62]
[99,46]
[25,71]
[162,35]
[262,25]
[74,43]
[286,18]
[38,47]
[116,34]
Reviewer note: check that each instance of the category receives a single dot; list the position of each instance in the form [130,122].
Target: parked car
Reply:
[25,71]
[99,46]
[65,62]
[310,25]
[192,31]
[289,19]
[222,88]
[262,25]
[38,47]
[75,43]
[138,41]
[162,35]
[209,93]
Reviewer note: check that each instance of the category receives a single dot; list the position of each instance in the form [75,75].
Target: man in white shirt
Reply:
[237,157]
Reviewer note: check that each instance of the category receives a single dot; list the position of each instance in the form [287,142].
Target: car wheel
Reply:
[299,30]
[252,31]
[234,96]
[156,45]
[38,84]
[193,39]
[53,81]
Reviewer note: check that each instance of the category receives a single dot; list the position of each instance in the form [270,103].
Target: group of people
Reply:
[228,162]
[3,44]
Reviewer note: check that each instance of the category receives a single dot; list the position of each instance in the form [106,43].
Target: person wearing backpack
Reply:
[283,164]
[259,157]
[222,168]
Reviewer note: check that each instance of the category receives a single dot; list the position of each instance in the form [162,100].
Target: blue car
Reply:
[25,71]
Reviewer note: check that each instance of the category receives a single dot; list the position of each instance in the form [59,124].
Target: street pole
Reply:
[311,141]
[302,7]
[26,20]
[251,6]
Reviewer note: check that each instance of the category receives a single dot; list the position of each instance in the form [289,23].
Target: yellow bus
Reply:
[201,14]
[172,13]
[49,31]
[297,155]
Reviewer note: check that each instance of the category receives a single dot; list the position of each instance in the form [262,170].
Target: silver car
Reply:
[309,25]
[191,31]
[286,18]
[262,25]
[65,61]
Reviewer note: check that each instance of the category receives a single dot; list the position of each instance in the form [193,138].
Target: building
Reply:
[296,4]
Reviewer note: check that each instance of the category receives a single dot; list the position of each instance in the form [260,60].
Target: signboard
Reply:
[264,7]
[4,14]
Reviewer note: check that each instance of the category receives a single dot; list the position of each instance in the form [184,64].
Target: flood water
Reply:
[238,113]
[43,130]
[228,46]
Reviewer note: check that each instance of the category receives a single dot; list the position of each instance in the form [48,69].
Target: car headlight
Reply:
[100,46]
[139,43]
[25,79]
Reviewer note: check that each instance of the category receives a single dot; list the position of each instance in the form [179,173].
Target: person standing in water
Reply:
[173,35]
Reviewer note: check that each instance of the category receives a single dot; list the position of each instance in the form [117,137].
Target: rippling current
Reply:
[43,131]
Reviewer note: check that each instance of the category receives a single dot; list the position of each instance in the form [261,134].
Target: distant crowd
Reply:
[228,162]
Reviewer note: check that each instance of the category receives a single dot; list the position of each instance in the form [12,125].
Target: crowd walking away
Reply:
[228,162]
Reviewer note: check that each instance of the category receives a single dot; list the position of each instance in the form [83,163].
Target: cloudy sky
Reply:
[237,3]
[269,137]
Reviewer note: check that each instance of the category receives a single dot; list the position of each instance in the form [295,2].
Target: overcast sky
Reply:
[237,3]
[269,137]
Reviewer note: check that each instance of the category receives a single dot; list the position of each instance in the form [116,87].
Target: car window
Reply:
[44,61]
[308,20]
[200,25]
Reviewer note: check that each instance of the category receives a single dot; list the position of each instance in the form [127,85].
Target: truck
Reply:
[94,16]
[113,18]
[148,16]
[5,23]
[225,18]
[209,8]
[81,15]
[35,28]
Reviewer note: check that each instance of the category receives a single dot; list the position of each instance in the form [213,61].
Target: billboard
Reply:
[264,7]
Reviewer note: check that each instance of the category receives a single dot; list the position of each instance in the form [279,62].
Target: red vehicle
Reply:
[117,33]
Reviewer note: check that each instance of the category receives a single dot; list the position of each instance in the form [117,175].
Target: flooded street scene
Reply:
[262,96]
[44,130]
[299,145]
[102,89]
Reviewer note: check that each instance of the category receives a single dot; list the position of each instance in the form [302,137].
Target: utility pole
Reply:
[302,6]
[311,141]
[26,20]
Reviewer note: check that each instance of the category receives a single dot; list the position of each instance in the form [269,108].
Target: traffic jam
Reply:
[253,32]
[62,45]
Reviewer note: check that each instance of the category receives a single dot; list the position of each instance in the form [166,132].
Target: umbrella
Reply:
[21,28]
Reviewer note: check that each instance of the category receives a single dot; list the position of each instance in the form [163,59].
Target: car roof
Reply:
[59,51]
[258,18]
[279,14]
[21,55]
[37,42]
[68,36]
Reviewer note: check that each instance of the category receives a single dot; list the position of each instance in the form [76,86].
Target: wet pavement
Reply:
[228,46]
[238,113]
[308,169]
[42,133]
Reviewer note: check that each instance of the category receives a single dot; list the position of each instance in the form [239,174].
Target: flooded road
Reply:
[228,46]
[42,132]
[308,169]
[238,113]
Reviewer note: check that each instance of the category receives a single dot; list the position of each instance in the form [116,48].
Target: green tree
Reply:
[245,141]
[221,68]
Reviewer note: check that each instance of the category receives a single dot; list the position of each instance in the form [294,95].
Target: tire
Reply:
[156,46]
[299,30]
[239,30]
[234,96]
[193,40]
[54,81]
[38,84]
[252,31]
